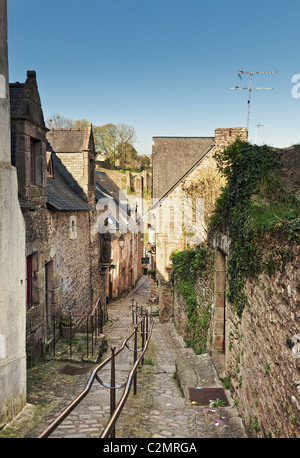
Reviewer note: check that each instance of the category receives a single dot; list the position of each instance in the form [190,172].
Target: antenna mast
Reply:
[250,88]
[256,130]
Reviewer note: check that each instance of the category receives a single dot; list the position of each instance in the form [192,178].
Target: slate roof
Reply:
[70,140]
[119,213]
[182,177]
[105,186]
[16,91]
[172,157]
[63,192]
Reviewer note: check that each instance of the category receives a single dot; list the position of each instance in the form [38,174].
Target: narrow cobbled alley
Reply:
[160,409]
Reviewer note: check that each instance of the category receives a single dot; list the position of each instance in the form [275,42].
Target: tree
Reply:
[126,136]
[107,135]
[114,141]
[57,121]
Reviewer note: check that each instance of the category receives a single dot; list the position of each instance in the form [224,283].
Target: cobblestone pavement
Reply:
[158,410]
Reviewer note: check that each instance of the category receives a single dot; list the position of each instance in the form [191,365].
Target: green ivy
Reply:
[254,203]
[188,265]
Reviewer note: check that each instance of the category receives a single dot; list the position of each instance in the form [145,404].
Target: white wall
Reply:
[12,265]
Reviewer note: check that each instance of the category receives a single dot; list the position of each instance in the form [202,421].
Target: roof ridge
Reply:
[67,129]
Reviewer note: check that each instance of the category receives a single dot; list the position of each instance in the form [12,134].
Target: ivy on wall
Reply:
[255,208]
[190,268]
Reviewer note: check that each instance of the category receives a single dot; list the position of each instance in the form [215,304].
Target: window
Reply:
[31,279]
[29,283]
[32,161]
[91,171]
[73,227]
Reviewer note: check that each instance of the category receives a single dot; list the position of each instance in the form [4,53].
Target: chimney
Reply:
[225,136]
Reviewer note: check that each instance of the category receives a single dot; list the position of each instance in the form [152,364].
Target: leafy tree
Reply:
[104,137]
[126,136]
[108,141]
[114,141]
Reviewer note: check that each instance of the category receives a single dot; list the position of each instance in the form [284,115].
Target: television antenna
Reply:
[256,130]
[250,88]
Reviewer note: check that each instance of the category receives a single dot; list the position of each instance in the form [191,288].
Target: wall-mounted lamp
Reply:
[121,241]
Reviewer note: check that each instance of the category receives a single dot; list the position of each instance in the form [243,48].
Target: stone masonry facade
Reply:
[259,349]
[173,210]
[63,246]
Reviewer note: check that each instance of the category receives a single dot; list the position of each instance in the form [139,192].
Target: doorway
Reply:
[220,301]
[48,292]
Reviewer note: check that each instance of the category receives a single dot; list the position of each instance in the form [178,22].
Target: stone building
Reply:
[59,207]
[12,266]
[260,349]
[126,259]
[185,184]
[75,150]
[256,352]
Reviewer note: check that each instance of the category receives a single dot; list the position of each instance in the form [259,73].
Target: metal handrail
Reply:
[96,325]
[109,431]
[132,377]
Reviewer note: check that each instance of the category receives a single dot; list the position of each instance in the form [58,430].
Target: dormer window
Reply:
[49,164]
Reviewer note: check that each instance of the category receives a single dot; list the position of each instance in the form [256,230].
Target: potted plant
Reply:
[67,327]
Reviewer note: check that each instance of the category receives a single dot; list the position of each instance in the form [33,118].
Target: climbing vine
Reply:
[254,207]
[188,267]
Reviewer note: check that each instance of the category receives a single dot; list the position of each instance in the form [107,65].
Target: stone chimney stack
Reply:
[225,136]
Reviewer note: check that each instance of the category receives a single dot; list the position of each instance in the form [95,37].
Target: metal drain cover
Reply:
[203,395]
[73,370]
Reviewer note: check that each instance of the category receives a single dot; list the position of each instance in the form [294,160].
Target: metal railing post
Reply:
[96,328]
[70,336]
[143,336]
[54,335]
[112,388]
[147,324]
[101,318]
[134,360]
[87,336]
[132,311]
[92,318]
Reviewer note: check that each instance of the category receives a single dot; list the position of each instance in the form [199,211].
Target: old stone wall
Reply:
[263,372]
[66,269]
[74,163]
[127,263]
[226,136]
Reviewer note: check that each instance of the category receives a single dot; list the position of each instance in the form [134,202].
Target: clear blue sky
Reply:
[162,66]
